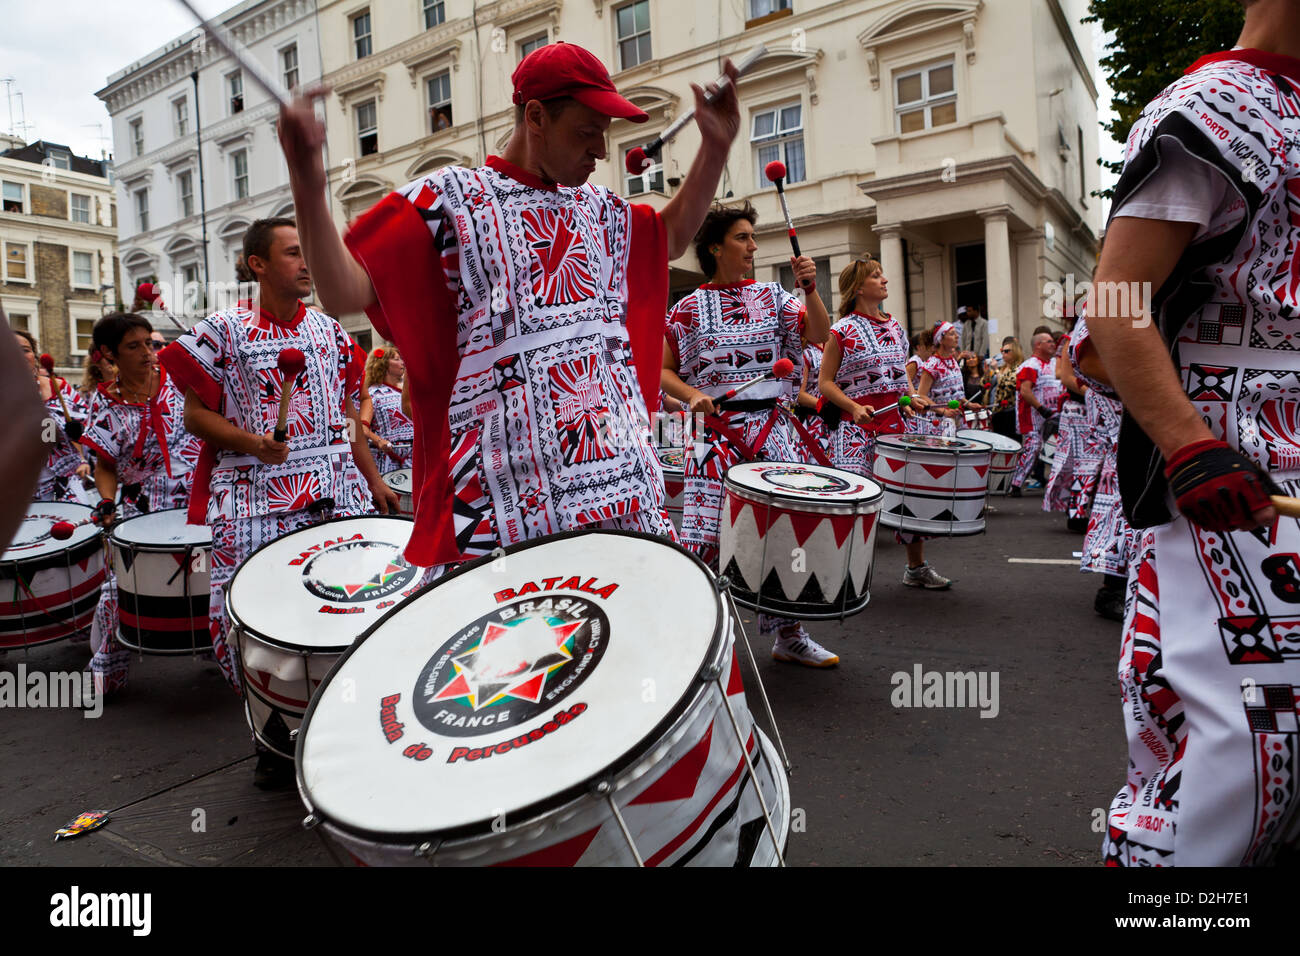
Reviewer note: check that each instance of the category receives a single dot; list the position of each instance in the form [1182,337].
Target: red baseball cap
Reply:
[566,69]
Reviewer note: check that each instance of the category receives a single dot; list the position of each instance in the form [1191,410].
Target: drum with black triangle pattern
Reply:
[933,485]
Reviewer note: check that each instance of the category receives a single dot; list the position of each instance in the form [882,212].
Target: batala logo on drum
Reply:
[356,570]
[801,479]
[34,531]
[510,665]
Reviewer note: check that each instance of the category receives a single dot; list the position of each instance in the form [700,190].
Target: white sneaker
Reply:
[799,648]
[927,577]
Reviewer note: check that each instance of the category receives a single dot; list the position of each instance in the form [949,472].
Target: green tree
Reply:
[1154,42]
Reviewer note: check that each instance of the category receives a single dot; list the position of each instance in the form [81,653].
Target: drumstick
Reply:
[152,298]
[62,530]
[775,172]
[1286,507]
[241,56]
[781,368]
[290,362]
[47,363]
[638,157]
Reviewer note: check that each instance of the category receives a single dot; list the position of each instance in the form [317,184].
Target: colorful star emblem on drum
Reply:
[512,660]
[378,581]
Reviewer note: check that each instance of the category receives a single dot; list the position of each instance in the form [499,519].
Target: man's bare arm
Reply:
[342,286]
[1131,348]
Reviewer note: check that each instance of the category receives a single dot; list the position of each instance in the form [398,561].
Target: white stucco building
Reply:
[158,125]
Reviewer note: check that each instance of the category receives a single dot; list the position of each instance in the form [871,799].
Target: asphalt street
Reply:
[872,784]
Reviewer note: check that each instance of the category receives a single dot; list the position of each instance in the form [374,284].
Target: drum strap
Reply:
[723,427]
[811,443]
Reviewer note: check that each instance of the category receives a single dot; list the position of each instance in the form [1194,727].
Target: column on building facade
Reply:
[937,303]
[1029,287]
[997,267]
[891,261]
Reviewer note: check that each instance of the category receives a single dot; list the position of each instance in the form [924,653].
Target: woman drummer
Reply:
[718,337]
[942,382]
[136,429]
[66,465]
[388,428]
[864,367]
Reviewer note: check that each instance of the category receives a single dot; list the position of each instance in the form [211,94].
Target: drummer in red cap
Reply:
[529,306]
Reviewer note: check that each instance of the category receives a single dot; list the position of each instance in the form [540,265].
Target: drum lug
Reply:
[723,583]
[710,672]
[425,851]
[293,734]
[310,821]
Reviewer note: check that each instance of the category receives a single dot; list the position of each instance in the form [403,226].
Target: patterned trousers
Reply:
[1210,679]
[1064,487]
[1033,444]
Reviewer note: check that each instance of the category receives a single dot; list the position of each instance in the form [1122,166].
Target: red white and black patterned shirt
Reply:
[1047,388]
[389,421]
[873,353]
[230,360]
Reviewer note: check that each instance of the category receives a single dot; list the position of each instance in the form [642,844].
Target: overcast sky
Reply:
[59,52]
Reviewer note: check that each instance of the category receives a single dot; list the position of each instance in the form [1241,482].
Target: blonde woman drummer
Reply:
[387,426]
[863,368]
[942,381]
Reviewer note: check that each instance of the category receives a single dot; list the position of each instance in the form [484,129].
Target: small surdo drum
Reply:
[298,602]
[933,485]
[401,481]
[574,702]
[797,540]
[1003,462]
[673,463]
[163,589]
[49,589]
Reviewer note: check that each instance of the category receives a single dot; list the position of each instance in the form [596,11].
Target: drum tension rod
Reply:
[604,789]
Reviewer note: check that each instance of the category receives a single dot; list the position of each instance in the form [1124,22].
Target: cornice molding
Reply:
[948,13]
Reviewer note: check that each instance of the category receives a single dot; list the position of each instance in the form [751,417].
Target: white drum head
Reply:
[400,480]
[166,529]
[318,588]
[672,460]
[792,480]
[999,442]
[507,686]
[33,539]
[933,443]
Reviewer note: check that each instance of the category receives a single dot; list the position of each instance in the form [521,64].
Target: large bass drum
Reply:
[548,707]
[49,589]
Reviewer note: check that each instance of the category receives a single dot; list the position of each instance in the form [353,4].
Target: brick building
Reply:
[58,240]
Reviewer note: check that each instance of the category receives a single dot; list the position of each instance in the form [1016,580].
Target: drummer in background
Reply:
[1039,392]
[805,409]
[248,488]
[942,382]
[66,465]
[389,430]
[922,349]
[707,331]
[1065,489]
[20,450]
[1003,390]
[98,370]
[135,426]
[864,368]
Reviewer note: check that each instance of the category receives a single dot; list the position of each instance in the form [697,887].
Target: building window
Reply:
[926,98]
[60,160]
[439,88]
[361,34]
[786,275]
[763,8]
[1083,178]
[235,85]
[136,127]
[13,197]
[289,66]
[83,269]
[532,43]
[367,128]
[190,274]
[83,333]
[19,320]
[777,134]
[142,209]
[435,12]
[239,163]
[181,113]
[16,263]
[185,192]
[80,208]
[633,24]
[634,185]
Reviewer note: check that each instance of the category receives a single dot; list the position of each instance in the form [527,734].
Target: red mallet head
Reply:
[290,362]
[637,161]
[146,292]
[782,368]
[774,171]
[47,363]
[62,530]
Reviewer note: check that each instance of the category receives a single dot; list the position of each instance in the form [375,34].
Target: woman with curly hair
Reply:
[388,427]
[66,464]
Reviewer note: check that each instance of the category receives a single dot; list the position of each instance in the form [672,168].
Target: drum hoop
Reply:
[150,547]
[55,559]
[230,586]
[778,494]
[530,814]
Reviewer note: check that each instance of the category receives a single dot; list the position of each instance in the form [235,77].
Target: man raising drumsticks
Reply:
[529,307]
